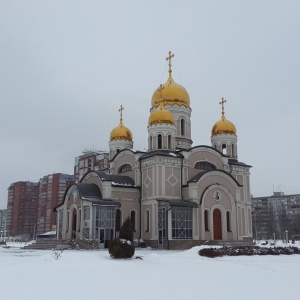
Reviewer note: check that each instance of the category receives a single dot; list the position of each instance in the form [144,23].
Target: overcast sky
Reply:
[67,66]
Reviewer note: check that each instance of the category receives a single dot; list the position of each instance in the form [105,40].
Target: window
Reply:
[150,142]
[232,150]
[132,217]
[169,142]
[224,149]
[182,127]
[206,220]
[182,223]
[125,168]
[86,213]
[228,221]
[159,141]
[204,165]
[147,221]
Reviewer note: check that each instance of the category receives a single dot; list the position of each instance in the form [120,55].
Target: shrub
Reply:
[121,248]
[126,231]
[247,250]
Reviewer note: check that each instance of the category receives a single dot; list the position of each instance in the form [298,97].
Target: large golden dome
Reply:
[223,126]
[161,116]
[172,93]
[121,133]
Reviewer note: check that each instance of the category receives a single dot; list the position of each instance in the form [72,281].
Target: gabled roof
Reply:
[201,173]
[89,192]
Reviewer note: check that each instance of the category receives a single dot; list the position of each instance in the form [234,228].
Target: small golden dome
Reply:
[223,127]
[161,116]
[172,93]
[121,132]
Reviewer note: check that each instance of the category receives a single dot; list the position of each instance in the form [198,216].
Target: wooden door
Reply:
[217,224]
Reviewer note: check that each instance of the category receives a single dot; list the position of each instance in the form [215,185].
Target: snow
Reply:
[161,274]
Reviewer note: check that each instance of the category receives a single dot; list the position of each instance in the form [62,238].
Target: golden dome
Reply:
[121,132]
[161,116]
[171,93]
[223,126]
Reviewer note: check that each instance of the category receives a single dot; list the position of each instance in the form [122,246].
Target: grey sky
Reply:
[67,66]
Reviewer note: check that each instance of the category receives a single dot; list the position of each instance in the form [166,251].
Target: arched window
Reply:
[169,142]
[118,150]
[147,221]
[232,150]
[182,127]
[228,221]
[206,220]
[150,142]
[118,219]
[204,165]
[215,146]
[159,141]
[132,217]
[125,168]
[224,149]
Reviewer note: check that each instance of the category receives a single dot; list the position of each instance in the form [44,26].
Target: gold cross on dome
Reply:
[121,112]
[160,89]
[222,103]
[169,59]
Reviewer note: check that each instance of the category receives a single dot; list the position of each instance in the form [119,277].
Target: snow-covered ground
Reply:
[37,275]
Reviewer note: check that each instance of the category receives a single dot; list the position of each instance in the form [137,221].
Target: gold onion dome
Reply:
[223,126]
[121,132]
[161,116]
[172,93]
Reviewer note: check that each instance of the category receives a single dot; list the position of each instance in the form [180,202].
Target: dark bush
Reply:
[123,246]
[247,250]
[120,248]
[126,231]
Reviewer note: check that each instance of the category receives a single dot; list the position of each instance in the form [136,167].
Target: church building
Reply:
[176,194]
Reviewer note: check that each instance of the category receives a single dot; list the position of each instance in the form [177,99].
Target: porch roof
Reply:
[102,202]
[179,203]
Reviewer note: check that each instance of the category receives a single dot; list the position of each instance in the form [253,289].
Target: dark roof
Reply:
[238,163]
[180,203]
[126,149]
[162,152]
[116,179]
[103,202]
[88,190]
[201,173]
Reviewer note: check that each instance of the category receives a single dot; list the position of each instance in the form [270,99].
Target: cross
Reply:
[160,89]
[121,112]
[222,103]
[169,59]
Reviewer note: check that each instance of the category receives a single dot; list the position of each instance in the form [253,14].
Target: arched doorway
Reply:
[217,224]
[74,223]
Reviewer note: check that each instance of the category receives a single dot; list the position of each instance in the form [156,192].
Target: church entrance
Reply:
[74,223]
[217,224]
